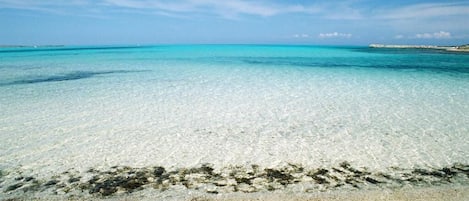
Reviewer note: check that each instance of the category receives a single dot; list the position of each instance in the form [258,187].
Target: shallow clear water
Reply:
[181,106]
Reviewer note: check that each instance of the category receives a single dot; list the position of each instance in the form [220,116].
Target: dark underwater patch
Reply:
[64,48]
[125,180]
[65,77]
[426,64]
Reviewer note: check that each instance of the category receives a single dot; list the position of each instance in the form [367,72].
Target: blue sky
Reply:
[321,22]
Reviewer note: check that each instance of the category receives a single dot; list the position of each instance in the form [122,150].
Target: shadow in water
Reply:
[65,77]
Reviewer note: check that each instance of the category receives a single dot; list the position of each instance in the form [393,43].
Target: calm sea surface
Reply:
[77,108]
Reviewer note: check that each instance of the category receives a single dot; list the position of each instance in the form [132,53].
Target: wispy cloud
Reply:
[423,11]
[335,35]
[335,10]
[227,8]
[25,5]
[437,35]
[85,8]
[411,13]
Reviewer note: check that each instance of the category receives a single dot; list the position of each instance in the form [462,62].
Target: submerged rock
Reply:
[14,187]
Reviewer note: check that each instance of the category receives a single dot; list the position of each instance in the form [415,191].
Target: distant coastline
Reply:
[461,48]
[29,46]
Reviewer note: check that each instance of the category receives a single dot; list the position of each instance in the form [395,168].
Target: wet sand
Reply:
[459,193]
[423,194]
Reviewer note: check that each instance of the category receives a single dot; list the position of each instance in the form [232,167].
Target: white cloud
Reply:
[436,35]
[335,35]
[400,36]
[301,36]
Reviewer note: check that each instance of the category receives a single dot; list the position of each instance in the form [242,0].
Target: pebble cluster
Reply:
[123,180]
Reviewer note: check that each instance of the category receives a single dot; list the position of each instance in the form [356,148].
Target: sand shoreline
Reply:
[234,183]
[428,194]
[436,193]
[462,48]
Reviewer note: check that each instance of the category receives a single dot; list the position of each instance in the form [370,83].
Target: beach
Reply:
[413,194]
[427,194]
[224,122]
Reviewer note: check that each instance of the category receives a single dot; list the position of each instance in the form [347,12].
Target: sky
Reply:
[311,22]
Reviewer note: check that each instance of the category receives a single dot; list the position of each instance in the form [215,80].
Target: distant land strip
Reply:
[461,48]
[29,46]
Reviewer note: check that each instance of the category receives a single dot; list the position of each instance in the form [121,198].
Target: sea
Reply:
[171,120]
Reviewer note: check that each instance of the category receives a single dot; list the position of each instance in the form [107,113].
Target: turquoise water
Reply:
[176,106]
